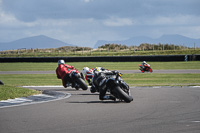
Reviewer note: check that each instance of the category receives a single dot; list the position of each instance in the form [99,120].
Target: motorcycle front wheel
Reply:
[82,83]
[123,95]
[150,70]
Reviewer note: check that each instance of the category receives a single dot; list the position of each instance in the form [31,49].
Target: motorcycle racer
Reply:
[99,76]
[88,74]
[62,72]
[144,64]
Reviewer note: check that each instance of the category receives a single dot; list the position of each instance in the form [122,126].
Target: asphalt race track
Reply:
[154,109]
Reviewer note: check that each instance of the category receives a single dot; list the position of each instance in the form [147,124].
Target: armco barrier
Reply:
[103,58]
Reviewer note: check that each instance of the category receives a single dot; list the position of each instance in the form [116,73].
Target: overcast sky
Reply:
[84,22]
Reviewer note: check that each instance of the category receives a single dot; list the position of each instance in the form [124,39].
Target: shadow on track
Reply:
[102,102]
[62,90]
[87,94]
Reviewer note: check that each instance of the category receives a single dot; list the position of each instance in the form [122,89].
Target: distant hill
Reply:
[170,39]
[40,42]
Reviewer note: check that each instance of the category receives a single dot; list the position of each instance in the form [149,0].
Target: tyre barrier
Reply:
[156,58]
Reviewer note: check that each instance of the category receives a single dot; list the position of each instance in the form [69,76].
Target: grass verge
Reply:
[108,65]
[137,79]
[156,79]
[10,92]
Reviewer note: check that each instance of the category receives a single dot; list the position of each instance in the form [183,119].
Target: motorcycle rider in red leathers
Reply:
[62,72]
[143,65]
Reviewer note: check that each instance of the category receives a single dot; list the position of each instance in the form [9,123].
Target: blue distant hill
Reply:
[40,42]
[170,39]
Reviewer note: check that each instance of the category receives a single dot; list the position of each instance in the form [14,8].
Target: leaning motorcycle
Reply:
[77,80]
[147,68]
[115,85]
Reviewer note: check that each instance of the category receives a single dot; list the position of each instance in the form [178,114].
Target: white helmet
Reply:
[61,62]
[144,62]
[87,71]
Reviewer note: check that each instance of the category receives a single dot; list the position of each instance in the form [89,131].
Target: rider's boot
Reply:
[109,98]
[112,98]
[92,89]
[68,84]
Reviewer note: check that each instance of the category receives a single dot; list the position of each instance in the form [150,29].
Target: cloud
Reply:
[87,21]
[98,9]
[113,21]
[177,20]
[87,1]
[5,18]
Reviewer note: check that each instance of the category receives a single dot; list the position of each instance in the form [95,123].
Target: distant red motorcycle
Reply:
[146,68]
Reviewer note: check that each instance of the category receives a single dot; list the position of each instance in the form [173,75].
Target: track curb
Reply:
[46,96]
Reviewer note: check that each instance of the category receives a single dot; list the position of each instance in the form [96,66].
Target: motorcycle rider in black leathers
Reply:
[98,82]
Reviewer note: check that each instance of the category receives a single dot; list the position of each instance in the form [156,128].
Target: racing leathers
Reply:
[89,76]
[100,84]
[62,72]
[144,65]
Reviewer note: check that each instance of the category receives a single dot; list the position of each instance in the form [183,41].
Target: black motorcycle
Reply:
[77,80]
[114,84]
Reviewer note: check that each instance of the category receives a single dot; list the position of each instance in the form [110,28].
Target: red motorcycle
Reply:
[146,68]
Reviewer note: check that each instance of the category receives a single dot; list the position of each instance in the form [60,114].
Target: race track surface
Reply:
[154,110]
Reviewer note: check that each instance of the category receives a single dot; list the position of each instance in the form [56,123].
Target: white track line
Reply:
[43,86]
[30,100]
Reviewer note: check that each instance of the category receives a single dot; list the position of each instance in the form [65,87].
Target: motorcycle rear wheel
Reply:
[82,83]
[123,95]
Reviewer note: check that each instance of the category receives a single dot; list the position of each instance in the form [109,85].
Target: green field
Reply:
[156,79]
[11,81]
[11,92]
[137,79]
[108,65]
[99,52]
